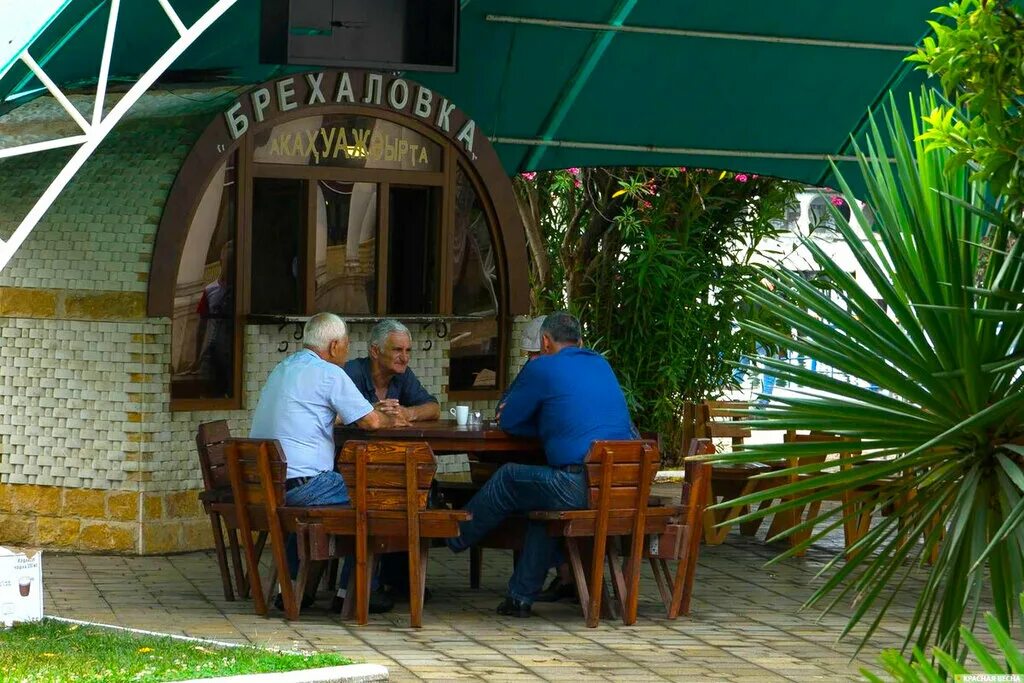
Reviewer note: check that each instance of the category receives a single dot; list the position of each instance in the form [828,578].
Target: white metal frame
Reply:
[94,132]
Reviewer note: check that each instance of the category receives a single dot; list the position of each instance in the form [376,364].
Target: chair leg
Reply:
[415,595]
[572,547]
[660,569]
[222,556]
[241,582]
[332,574]
[596,584]
[476,558]
[621,592]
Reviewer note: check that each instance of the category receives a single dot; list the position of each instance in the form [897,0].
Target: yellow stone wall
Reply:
[93,520]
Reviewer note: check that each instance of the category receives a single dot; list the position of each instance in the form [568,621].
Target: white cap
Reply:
[530,343]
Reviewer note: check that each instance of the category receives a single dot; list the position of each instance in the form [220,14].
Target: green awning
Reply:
[770,88]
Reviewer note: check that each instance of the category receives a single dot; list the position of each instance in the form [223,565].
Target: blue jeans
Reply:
[516,489]
[326,488]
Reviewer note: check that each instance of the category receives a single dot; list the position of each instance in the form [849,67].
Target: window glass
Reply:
[414,227]
[474,352]
[346,247]
[347,141]
[203,325]
[278,240]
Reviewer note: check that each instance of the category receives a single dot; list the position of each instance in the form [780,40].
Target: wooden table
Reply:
[483,442]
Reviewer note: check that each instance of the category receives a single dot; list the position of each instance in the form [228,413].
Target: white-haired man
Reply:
[385,379]
[303,398]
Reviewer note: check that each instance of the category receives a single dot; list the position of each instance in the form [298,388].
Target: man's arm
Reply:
[375,419]
[518,412]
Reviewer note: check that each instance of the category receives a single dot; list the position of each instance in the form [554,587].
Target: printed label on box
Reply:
[21,585]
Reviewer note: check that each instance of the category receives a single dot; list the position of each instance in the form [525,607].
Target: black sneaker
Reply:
[514,608]
[556,591]
[307,601]
[379,603]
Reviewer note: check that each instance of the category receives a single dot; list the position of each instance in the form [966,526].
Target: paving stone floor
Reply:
[745,624]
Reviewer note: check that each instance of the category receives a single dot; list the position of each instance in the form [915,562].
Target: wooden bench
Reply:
[389,483]
[620,475]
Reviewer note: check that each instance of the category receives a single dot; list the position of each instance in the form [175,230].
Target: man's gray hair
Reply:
[322,329]
[384,329]
[562,327]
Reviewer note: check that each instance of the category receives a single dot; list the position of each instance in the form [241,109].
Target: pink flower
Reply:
[529,175]
[574,171]
[682,169]
[576,182]
[645,205]
[836,200]
[754,176]
[741,177]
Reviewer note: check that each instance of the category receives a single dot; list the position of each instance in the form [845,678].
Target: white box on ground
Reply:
[21,585]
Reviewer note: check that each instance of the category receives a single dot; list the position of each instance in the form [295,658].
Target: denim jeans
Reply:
[326,488]
[516,489]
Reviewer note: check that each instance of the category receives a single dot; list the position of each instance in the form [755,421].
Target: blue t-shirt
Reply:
[405,387]
[298,406]
[568,400]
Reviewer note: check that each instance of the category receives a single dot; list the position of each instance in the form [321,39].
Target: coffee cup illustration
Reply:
[25,586]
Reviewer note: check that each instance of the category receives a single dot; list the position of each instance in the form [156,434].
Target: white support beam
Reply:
[711,35]
[173,16]
[108,48]
[98,133]
[56,92]
[43,146]
[691,151]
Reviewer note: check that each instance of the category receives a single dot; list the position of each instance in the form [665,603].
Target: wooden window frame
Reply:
[452,158]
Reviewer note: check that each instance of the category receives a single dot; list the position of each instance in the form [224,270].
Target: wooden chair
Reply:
[620,475]
[389,483]
[720,420]
[216,500]
[257,470]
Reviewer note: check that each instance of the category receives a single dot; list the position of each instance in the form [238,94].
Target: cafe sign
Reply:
[361,88]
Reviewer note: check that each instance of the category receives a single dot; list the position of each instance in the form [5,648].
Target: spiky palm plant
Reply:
[940,440]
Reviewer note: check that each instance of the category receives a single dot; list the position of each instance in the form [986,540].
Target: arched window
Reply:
[355,209]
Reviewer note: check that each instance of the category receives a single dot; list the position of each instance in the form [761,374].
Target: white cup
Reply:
[461,414]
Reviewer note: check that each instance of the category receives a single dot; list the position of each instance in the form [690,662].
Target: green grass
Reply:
[55,651]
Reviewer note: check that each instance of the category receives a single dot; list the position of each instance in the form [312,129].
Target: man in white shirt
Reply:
[303,398]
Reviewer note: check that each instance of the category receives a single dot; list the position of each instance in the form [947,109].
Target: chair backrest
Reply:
[792,436]
[620,473]
[257,469]
[714,420]
[210,443]
[387,475]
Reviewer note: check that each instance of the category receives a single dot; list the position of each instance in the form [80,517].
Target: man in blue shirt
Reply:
[385,379]
[568,397]
[303,397]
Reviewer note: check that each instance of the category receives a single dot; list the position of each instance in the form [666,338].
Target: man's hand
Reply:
[390,406]
[398,419]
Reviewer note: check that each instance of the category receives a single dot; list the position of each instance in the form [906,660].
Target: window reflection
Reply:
[346,247]
[474,351]
[203,324]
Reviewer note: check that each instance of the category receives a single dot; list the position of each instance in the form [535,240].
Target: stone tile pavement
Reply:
[745,624]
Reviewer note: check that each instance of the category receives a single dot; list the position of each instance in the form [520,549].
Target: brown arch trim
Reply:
[216,143]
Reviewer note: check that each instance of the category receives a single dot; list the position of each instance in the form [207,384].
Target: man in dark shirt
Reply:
[568,397]
[385,379]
